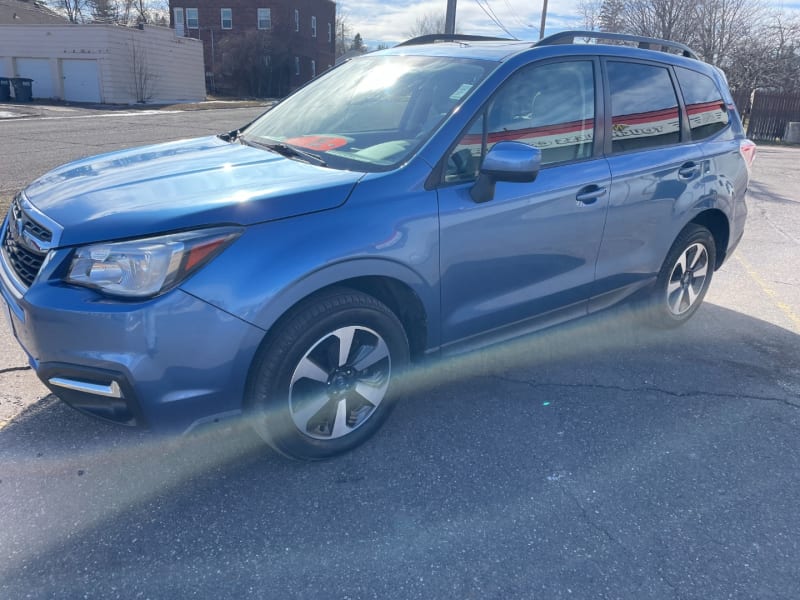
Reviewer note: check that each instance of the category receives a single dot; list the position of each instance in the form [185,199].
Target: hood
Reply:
[182,185]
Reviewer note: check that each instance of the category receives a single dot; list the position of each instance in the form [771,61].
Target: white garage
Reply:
[40,70]
[81,80]
[96,62]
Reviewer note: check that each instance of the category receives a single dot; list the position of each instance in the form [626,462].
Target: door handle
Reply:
[688,170]
[590,194]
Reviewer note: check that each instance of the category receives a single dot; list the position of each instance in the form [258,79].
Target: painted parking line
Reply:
[771,293]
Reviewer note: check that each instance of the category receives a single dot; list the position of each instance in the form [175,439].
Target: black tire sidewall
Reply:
[270,385]
[661,315]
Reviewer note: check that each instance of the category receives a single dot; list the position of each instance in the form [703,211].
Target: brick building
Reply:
[259,47]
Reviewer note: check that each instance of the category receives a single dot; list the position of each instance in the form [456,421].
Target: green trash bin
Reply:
[5,89]
[23,91]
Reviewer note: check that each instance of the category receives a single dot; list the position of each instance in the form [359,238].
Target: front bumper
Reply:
[167,363]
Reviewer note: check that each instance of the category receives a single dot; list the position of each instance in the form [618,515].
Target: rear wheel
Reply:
[326,380]
[684,278]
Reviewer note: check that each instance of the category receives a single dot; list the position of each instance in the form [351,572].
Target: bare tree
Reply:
[611,15]
[142,77]
[756,48]
[427,24]
[104,11]
[722,24]
[122,12]
[769,57]
[666,19]
[125,11]
[343,39]
[590,11]
[141,11]
[785,33]
[74,10]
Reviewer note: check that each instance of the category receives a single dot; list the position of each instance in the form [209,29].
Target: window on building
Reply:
[313,26]
[264,18]
[179,22]
[192,20]
[330,32]
[644,107]
[226,17]
[297,65]
[296,20]
[313,69]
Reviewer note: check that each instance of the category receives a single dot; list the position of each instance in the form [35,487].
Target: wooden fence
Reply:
[769,114]
[742,100]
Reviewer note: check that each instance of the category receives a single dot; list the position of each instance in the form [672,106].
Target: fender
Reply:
[338,274]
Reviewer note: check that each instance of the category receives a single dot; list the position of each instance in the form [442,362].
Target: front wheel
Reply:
[326,380]
[684,278]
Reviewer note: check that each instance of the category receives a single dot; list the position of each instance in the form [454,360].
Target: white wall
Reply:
[174,65]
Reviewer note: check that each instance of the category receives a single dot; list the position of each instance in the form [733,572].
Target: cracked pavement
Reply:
[598,460]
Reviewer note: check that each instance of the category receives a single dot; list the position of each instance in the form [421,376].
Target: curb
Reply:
[18,111]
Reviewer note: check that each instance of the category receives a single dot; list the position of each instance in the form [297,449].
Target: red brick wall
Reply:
[299,44]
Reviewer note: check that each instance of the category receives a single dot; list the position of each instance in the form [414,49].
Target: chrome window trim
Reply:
[39,217]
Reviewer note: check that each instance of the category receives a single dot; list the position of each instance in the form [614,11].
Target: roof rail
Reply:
[568,37]
[450,37]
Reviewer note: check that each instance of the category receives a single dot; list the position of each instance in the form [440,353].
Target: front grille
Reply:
[24,259]
[38,231]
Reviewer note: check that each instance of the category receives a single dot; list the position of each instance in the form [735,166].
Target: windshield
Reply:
[370,114]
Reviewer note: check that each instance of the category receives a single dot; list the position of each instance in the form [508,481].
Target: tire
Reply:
[328,377]
[684,278]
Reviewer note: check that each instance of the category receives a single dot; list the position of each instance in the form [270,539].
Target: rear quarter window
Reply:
[705,107]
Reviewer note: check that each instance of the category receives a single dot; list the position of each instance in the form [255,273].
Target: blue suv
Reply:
[423,200]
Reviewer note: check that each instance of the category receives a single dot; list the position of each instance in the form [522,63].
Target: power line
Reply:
[497,19]
[514,14]
[493,18]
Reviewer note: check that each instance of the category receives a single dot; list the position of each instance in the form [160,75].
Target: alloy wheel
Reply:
[339,382]
[687,279]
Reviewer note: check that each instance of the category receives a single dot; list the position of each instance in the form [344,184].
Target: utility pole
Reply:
[544,18]
[450,17]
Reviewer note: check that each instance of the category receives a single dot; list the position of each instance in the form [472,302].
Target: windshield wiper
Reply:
[287,151]
[230,136]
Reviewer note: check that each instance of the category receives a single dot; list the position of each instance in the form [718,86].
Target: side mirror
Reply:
[506,161]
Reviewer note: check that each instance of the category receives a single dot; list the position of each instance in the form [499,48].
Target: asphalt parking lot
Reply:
[598,460]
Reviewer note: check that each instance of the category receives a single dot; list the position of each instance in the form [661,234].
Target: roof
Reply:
[495,50]
[26,12]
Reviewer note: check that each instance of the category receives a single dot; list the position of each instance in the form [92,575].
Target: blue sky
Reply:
[388,22]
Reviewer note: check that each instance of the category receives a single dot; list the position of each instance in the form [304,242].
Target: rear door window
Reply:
[644,107]
[705,107]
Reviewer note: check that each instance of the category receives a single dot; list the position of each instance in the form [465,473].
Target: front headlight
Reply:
[147,267]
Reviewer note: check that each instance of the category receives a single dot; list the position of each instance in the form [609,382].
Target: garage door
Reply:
[39,70]
[81,80]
